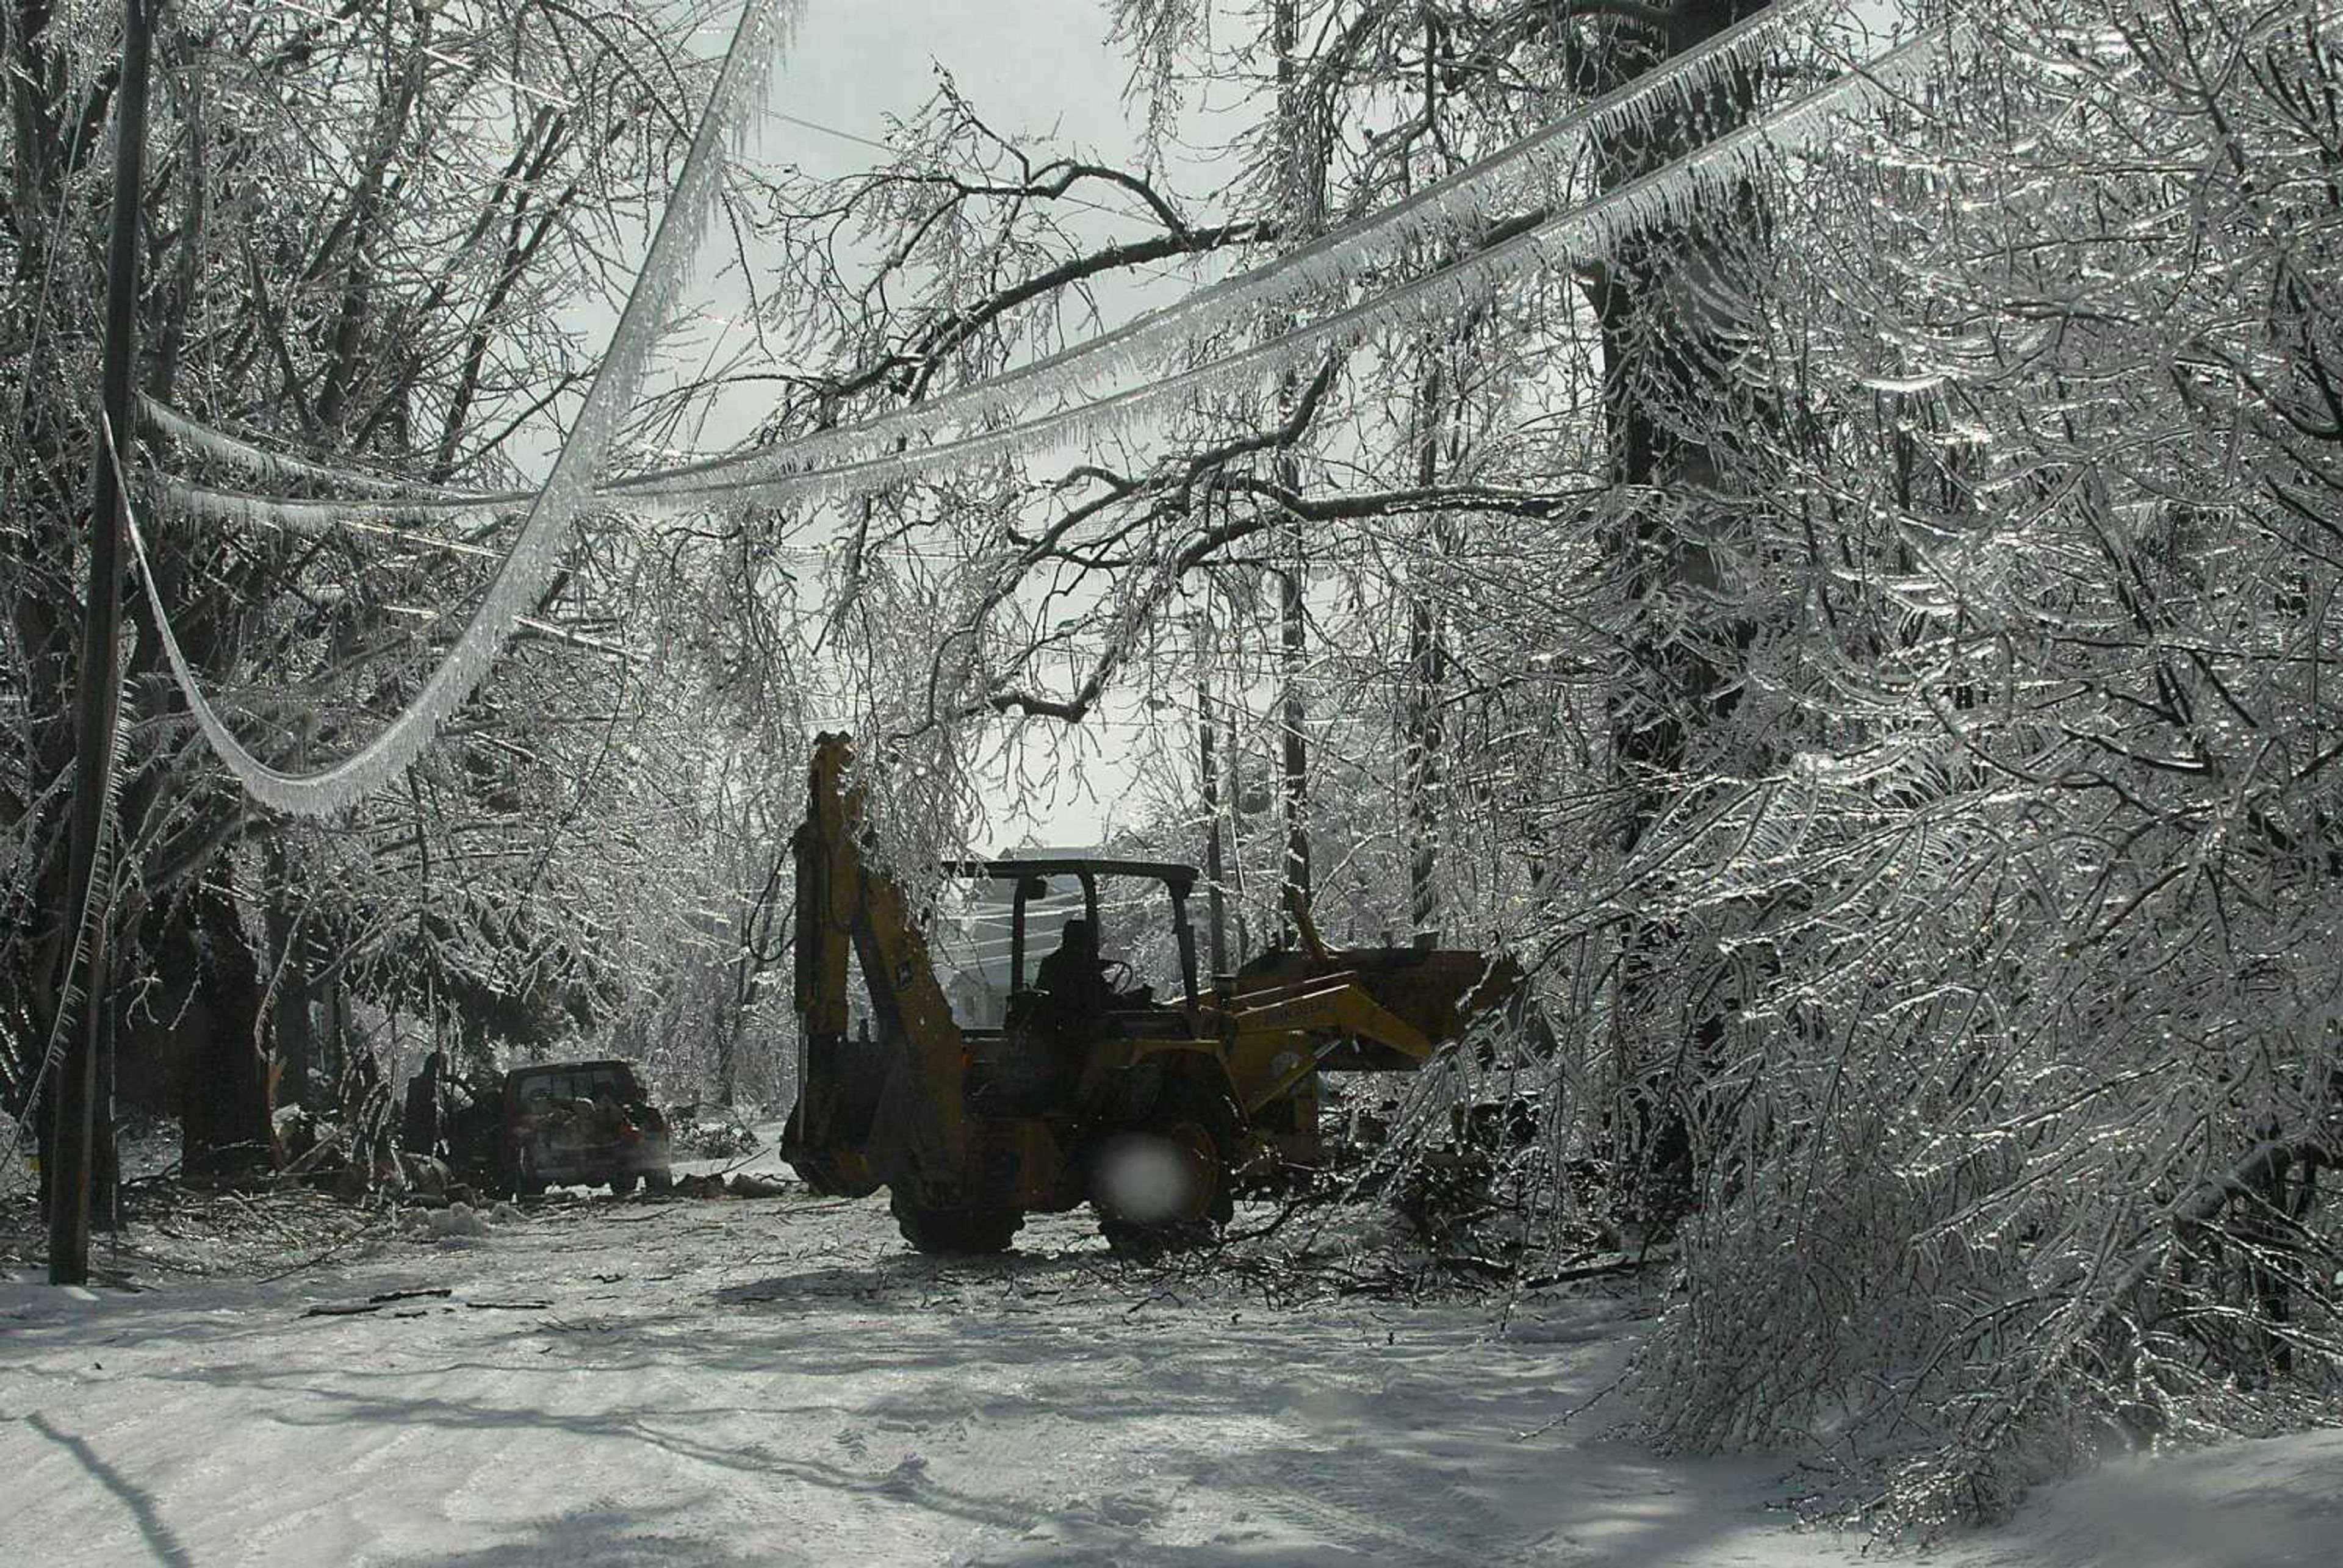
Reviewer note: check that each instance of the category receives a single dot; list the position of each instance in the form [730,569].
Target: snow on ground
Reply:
[2259,1504]
[778,1382]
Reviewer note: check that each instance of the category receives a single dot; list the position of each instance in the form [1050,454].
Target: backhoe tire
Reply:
[660,1179]
[1190,1137]
[955,1233]
[622,1185]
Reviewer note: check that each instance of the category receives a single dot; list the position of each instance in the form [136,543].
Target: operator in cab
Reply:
[1072,981]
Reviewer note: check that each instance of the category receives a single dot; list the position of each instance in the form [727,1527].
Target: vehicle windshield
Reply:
[538,1087]
[1136,937]
[970,938]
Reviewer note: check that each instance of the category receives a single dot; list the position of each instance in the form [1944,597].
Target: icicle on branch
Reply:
[315,516]
[218,447]
[1582,232]
[521,580]
[1534,173]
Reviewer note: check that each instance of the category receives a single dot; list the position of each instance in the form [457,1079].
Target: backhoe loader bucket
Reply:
[1439,993]
[839,1081]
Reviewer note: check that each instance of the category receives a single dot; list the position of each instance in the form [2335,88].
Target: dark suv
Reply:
[579,1123]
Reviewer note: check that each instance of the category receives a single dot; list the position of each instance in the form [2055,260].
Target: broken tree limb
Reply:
[376,1303]
[1590,1271]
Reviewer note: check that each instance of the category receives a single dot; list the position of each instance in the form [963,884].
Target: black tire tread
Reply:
[1184,1100]
[955,1233]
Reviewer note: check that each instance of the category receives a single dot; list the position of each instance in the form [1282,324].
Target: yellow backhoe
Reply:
[1074,1083]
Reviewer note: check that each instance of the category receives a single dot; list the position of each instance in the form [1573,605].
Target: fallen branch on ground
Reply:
[376,1303]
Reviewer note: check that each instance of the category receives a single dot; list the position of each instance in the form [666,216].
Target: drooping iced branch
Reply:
[569,491]
[1523,180]
[1582,233]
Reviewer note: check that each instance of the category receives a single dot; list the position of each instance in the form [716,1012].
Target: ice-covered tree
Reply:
[377,240]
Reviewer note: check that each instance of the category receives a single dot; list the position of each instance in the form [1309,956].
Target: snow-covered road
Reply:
[778,1382]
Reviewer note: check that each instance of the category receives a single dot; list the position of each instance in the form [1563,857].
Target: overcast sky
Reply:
[1038,71]
[1037,68]
[1036,65]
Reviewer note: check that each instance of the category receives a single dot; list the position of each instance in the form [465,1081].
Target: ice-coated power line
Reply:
[1581,232]
[758,40]
[1534,172]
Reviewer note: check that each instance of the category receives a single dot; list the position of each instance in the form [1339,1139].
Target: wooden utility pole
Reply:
[75,1096]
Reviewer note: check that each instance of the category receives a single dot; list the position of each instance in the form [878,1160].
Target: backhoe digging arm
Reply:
[886,1110]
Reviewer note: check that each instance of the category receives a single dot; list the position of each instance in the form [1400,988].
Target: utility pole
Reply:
[97,690]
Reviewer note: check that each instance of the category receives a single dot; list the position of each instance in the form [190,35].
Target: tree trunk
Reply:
[1426,664]
[292,1006]
[1208,780]
[224,1094]
[731,1021]
[1665,385]
[1306,195]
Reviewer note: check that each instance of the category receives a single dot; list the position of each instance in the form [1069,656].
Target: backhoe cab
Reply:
[1071,1055]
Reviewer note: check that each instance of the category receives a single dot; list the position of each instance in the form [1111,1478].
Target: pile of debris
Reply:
[711,1132]
[740,1184]
[322,1152]
[169,1230]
